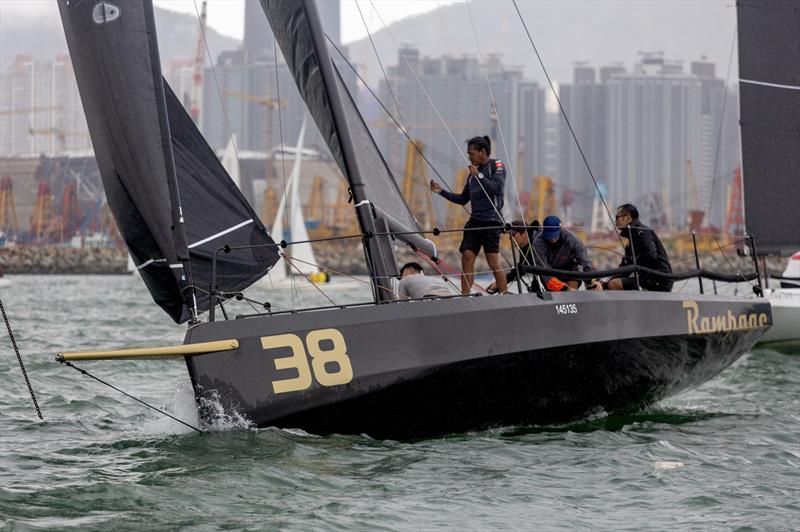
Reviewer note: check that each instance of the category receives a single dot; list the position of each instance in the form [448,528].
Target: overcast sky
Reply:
[227,16]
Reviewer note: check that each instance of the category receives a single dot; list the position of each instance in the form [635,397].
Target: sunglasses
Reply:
[620,216]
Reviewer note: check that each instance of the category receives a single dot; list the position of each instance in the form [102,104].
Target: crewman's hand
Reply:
[595,285]
[435,187]
[492,288]
[473,170]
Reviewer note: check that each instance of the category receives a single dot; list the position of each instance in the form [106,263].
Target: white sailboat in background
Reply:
[301,260]
[230,161]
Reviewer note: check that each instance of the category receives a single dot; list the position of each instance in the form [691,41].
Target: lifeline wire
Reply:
[148,405]
[564,114]
[19,359]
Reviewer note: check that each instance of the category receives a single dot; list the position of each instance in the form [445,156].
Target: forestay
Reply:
[148,149]
[769,87]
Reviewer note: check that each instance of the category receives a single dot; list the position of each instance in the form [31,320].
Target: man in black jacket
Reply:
[648,251]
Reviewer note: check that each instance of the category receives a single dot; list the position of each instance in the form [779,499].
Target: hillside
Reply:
[599,32]
[39,32]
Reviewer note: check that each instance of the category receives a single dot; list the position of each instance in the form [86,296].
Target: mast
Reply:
[176,211]
[381,266]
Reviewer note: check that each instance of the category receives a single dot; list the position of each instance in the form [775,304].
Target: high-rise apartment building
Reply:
[247,96]
[41,108]
[653,136]
[457,91]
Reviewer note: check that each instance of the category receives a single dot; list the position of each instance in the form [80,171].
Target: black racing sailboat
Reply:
[769,96]
[388,368]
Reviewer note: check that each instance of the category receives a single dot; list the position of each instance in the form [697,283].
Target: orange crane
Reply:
[69,221]
[269,205]
[9,223]
[44,215]
[542,199]
[416,190]
[199,63]
[734,214]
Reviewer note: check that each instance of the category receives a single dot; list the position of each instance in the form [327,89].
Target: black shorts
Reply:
[489,239]
[651,284]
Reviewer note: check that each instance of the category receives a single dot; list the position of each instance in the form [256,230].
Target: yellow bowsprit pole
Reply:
[185,350]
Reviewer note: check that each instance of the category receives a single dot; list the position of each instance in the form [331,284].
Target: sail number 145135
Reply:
[325,347]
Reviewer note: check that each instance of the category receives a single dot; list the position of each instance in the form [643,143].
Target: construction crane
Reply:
[44,215]
[9,223]
[59,134]
[199,64]
[269,205]
[315,208]
[695,216]
[542,199]
[30,110]
[734,213]
[415,184]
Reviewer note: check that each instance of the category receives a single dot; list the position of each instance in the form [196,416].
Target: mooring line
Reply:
[19,359]
[123,392]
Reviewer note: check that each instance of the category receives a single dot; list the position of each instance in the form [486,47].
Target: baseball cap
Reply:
[551,228]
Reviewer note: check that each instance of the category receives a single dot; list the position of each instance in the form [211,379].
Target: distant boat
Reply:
[301,260]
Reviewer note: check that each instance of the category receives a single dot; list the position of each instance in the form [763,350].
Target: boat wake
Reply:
[208,413]
[215,416]
[619,422]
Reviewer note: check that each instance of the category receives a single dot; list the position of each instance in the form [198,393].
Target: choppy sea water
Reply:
[99,460]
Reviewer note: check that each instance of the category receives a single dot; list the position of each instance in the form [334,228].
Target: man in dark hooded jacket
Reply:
[644,245]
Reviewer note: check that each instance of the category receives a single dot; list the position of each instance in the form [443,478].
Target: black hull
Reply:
[487,362]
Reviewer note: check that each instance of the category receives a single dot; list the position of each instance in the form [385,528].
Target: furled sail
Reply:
[769,95]
[304,56]
[148,149]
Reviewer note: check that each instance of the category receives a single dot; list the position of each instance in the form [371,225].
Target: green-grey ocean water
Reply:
[100,461]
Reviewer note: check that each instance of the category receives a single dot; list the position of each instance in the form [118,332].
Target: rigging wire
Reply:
[400,127]
[295,293]
[19,359]
[566,119]
[396,104]
[216,85]
[123,392]
[419,81]
[721,123]
[494,108]
[380,63]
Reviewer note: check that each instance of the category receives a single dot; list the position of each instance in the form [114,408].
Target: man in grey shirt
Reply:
[415,284]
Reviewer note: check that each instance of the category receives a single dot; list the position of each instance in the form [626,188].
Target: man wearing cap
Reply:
[557,248]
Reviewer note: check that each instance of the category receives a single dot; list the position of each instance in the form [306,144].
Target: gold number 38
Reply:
[321,359]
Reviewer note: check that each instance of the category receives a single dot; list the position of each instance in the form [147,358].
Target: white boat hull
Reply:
[785,315]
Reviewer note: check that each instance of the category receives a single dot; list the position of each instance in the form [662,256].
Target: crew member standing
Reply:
[484,192]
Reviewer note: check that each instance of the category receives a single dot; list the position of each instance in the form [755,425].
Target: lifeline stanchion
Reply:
[60,359]
[19,359]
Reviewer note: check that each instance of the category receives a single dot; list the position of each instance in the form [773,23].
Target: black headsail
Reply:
[379,204]
[147,149]
[769,95]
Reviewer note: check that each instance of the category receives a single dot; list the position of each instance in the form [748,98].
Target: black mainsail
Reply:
[148,149]
[769,95]
[298,32]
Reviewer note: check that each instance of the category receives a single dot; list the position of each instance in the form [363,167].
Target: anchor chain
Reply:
[19,359]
